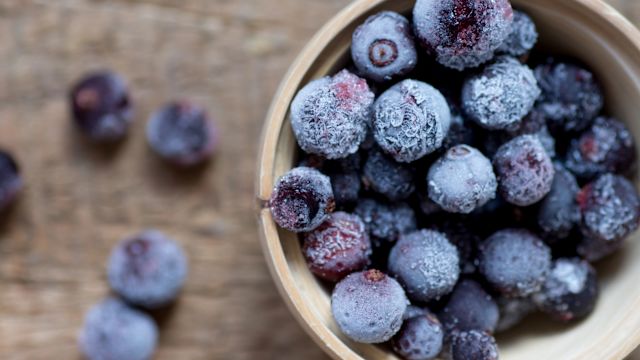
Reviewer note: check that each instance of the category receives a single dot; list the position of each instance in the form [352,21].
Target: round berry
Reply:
[461,180]
[570,291]
[501,95]
[382,48]
[411,120]
[346,187]
[607,146]
[387,177]
[338,247]
[524,169]
[464,238]
[329,116]
[368,306]
[386,222]
[534,124]
[101,107]
[470,308]
[460,131]
[515,262]
[413,311]
[113,330]
[302,199]
[426,263]
[10,180]
[148,269]
[513,311]
[462,33]
[522,37]
[420,338]
[558,212]
[473,345]
[181,133]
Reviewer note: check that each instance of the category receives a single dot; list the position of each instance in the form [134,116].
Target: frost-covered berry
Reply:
[114,330]
[302,199]
[368,306]
[462,33]
[461,180]
[386,222]
[413,311]
[473,345]
[571,96]
[607,146]
[522,37]
[382,48]
[181,133]
[524,169]
[570,291]
[460,131]
[501,95]
[387,177]
[463,236]
[535,124]
[101,107]
[420,338]
[329,116]
[338,247]
[411,120]
[10,180]
[470,307]
[558,213]
[515,262]
[513,311]
[147,269]
[426,263]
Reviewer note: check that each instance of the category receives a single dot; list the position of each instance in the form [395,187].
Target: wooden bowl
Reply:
[587,29]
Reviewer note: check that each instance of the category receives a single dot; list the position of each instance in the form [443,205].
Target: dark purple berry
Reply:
[382,48]
[501,95]
[101,107]
[10,180]
[513,311]
[571,97]
[523,35]
[338,247]
[570,291]
[460,131]
[607,146]
[329,116]
[426,263]
[368,306]
[558,213]
[181,133]
[113,330]
[473,345]
[386,222]
[312,161]
[535,124]
[302,199]
[461,180]
[524,169]
[387,177]
[462,33]
[515,262]
[147,269]
[470,308]
[427,206]
[410,120]
[346,187]
[420,338]
[460,234]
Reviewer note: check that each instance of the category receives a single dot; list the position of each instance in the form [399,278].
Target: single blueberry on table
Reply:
[10,180]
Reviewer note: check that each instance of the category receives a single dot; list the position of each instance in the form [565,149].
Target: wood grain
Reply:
[79,200]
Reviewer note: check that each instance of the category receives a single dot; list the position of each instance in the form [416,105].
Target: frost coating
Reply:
[462,180]
[329,116]
[383,47]
[470,308]
[420,338]
[501,95]
[411,120]
[475,345]
[558,212]
[386,222]
[426,263]
[522,37]
[387,177]
[513,311]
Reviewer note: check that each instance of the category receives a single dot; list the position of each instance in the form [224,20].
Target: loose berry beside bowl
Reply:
[420,338]
[10,180]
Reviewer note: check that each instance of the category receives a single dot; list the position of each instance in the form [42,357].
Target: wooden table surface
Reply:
[228,55]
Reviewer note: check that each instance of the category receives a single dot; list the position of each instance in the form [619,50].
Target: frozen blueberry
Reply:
[610,208]
[501,95]
[329,116]
[312,161]
[570,291]
[470,308]
[473,345]
[523,35]
[428,206]
[382,48]
[524,169]
[535,124]
[411,120]
[113,330]
[386,222]
[461,234]
[462,33]
[302,199]
[101,107]
[461,180]
[571,96]
[346,187]
[10,180]
[181,133]
[558,212]
[147,269]
[607,146]
[368,306]
[420,338]
[413,311]
[513,311]
[338,247]
[387,177]
[460,131]
[426,263]
[515,262]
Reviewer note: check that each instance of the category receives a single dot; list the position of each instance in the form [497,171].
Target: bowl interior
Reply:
[585,29]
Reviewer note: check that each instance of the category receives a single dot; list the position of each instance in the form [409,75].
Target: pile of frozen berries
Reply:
[451,181]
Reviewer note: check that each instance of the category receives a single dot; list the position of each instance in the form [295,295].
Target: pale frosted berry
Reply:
[513,311]
[420,338]
[522,37]
[384,221]
[473,345]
